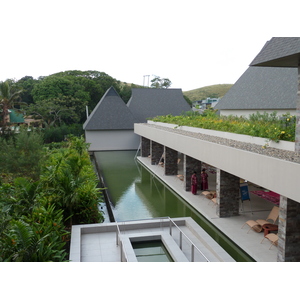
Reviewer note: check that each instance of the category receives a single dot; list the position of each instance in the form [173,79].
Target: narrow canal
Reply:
[135,193]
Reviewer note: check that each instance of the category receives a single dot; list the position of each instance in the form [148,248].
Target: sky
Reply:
[193,43]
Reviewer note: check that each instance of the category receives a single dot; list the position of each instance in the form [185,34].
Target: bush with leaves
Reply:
[34,215]
[21,154]
[32,229]
[59,134]
[71,183]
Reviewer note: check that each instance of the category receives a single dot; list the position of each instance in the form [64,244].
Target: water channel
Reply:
[135,193]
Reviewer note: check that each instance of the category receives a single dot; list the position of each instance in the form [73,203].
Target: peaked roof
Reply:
[150,102]
[263,88]
[15,116]
[110,113]
[279,52]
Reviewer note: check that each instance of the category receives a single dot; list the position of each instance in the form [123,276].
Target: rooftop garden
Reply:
[264,125]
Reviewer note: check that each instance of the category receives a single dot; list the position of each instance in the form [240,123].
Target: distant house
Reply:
[201,105]
[150,102]
[15,117]
[110,125]
[262,89]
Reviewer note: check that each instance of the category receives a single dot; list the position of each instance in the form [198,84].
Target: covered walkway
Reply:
[276,170]
[251,242]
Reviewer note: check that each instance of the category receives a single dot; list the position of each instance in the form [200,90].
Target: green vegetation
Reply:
[160,83]
[9,95]
[269,126]
[58,100]
[212,91]
[58,188]
[21,154]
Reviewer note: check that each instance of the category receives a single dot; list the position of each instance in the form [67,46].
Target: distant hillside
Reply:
[213,91]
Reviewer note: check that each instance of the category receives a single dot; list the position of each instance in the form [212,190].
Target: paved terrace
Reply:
[98,242]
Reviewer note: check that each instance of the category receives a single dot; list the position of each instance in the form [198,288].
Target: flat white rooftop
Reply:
[184,239]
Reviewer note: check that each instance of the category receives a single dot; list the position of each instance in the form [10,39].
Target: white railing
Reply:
[163,223]
[119,242]
[193,246]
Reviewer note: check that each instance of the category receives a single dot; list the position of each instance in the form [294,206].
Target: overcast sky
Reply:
[193,43]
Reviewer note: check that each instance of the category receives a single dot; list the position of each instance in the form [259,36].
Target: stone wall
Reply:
[145,147]
[228,194]
[171,158]
[156,152]
[289,230]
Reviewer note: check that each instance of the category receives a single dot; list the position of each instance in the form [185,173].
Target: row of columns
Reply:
[228,196]
[227,189]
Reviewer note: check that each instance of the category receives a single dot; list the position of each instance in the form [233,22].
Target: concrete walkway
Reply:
[251,242]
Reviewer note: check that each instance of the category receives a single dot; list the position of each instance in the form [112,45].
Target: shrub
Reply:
[59,134]
[265,125]
[21,154]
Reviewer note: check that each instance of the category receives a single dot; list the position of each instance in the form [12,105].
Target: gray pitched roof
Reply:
[149,102]
[263,88]
[110,113]
[279,52]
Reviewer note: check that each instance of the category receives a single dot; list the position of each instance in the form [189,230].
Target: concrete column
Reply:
[289,230]
[171,157]
[156,152]
[190,165]
[145,147]
[297,137]
[228,194]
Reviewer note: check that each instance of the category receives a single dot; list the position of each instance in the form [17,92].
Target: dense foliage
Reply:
[9,96]
[269,126]
[21,154]
[36,212]
[58,100]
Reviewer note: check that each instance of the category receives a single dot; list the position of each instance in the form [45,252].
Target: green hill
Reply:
[213,91]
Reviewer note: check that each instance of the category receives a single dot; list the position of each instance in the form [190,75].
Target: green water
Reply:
[151,251]
[135,193]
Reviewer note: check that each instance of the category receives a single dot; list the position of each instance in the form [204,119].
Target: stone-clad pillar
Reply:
[190,165]
[228,194]
[156,152]
[145,147]
[289,230]
[297,137]
[170,161]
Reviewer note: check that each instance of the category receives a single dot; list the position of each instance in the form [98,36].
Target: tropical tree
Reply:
[57,111]
[160,83]
[88,86]
[9,94]
[26,84]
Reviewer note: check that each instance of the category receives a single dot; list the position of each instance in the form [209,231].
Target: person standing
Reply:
[194,183]
[204,180]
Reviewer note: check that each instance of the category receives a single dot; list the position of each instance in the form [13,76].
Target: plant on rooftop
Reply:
[269,126]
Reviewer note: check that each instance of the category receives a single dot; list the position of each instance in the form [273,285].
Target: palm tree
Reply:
[9,95]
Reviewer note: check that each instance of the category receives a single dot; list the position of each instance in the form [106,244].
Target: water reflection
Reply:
[136,194]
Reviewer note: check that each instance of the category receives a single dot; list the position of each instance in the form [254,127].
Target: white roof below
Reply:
[98,242]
